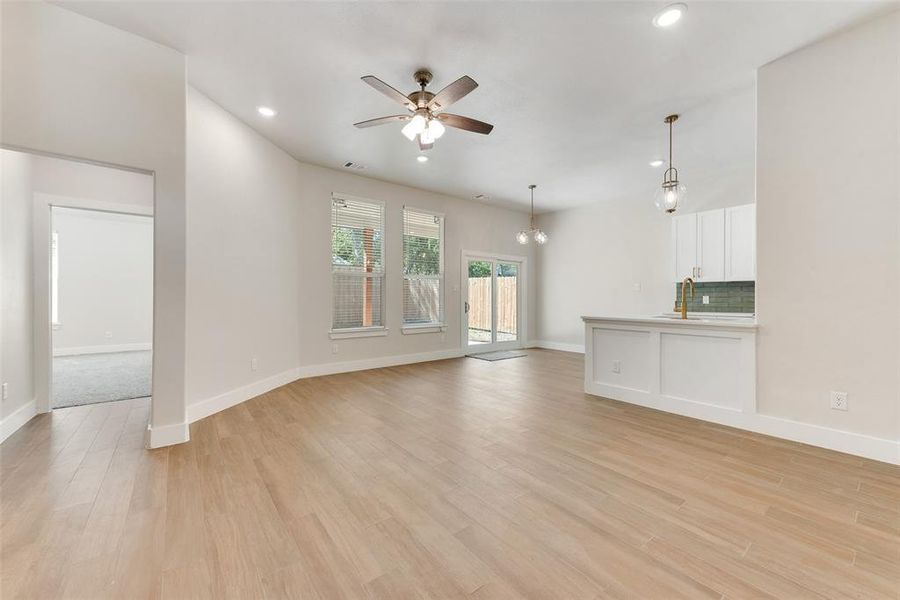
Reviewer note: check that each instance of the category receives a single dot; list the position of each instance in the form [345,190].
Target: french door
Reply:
[492,299]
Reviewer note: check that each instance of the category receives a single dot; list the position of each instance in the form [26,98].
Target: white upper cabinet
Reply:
[684,246]
[740,243]
[711,245]
[715,245]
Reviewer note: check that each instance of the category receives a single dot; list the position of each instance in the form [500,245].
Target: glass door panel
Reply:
[507,302]
[479,306]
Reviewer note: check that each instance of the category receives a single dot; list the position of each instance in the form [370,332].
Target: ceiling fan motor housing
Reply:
[423,77]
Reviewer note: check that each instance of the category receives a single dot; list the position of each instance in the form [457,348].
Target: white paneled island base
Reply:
[702,368]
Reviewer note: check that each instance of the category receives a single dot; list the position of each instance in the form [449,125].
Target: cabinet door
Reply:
[740,243]
[711,245]
[684,246]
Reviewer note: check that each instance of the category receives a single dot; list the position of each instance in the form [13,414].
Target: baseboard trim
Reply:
[73,350]
[377,363]
[857,444]
[16,419]
[210,406]
[167,435]
[578,348]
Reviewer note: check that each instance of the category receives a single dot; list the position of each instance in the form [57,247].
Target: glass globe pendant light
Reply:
[670,195]
[540,237]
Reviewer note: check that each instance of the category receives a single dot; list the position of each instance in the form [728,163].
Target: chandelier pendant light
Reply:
[670,195]
[539,236]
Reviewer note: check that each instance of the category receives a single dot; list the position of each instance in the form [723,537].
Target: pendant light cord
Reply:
[670,143]
[532,208]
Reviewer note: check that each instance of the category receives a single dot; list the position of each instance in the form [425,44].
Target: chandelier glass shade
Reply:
[671,194]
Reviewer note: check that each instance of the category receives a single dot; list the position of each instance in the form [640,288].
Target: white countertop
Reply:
[730,320]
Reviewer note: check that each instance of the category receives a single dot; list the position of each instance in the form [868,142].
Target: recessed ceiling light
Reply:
[670,15]
[422,158]
[266,111]
[657,163]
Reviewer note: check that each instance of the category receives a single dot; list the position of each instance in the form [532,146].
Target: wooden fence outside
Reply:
[480,304]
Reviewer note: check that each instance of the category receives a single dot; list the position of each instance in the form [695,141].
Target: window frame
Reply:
[357,332]
[441,324]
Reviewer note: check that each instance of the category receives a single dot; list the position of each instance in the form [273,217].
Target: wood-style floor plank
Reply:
[452,479]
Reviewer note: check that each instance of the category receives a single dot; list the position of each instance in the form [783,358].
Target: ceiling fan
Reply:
[426,119]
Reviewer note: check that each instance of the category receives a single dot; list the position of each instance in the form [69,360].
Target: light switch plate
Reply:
[705,299]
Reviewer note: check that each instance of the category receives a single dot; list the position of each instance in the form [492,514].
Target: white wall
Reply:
[592,263]
[89,182]
[598,254]
[105,281]
[259,269]
[828,220]
[76,87]
[16,366]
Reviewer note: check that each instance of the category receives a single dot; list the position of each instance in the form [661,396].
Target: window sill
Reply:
[424,328]
[357,332]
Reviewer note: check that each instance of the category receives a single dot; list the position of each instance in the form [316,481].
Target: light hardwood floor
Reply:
[452,479]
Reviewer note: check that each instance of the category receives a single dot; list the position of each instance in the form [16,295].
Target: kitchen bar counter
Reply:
[694,320]
[703,366]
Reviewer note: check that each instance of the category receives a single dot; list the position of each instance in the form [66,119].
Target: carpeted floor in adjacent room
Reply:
[91,378]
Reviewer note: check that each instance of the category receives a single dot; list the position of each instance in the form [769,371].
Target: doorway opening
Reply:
[493,294]
[101,305]
[78,248]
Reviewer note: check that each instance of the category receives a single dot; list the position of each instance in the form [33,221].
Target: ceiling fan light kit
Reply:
[540,237]
[670,195]
[426,120]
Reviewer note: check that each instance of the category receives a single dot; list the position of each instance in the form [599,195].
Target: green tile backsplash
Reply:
[724,296]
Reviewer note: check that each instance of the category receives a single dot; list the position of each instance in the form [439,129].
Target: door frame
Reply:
[521,299]
[42,231]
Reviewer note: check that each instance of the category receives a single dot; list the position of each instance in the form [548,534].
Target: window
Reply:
[357,265]
[54,279]
[423,269]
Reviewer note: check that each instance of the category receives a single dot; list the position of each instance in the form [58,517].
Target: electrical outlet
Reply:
[617,366]
[5,390]
[839,400]
[334,348]
[254,364]
[705,299]
[107,334]
[636,287]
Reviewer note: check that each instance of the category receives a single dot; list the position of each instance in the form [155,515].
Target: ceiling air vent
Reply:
[354,166]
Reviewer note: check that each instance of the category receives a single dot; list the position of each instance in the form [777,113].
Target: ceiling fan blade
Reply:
[388,91]
[452,93]
[422,146]
[465,123]
[381,121]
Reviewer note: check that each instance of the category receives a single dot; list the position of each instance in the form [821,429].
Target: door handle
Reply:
[467,308]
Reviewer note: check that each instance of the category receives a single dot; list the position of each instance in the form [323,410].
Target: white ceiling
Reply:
[576,91]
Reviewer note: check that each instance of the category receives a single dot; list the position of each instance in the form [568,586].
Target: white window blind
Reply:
[423,267]
[357,263]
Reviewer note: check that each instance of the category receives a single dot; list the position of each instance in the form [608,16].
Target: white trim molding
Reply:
[17,419]
[377,363]
[561,346]
[167,435]
[102,349]
[423,328]
[357,332]
[210,406]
